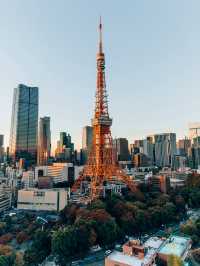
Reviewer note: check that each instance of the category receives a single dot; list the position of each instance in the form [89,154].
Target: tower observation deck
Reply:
[101,166]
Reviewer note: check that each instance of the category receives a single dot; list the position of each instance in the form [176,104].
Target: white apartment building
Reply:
[59,172]
[43,199]
[14,176]
[28,179]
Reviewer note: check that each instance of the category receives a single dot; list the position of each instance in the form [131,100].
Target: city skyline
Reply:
[172,67]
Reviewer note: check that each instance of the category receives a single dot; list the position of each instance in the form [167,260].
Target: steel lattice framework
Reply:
[101,164]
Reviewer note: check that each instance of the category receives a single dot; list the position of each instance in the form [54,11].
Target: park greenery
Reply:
[174,261]
[192,228]
[104,222]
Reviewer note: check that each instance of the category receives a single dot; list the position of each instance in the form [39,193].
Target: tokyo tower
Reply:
[101,165]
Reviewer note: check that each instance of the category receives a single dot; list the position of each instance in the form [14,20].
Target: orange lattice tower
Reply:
[101,165]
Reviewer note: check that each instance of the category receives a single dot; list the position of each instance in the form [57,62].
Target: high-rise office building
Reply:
[151,149]
[44,141]
[165,149]
[24,124]
[87,137]
[65,148]
[194,130]
[121,148]
[1,148]
[194,153]
[139,146]
[1,140]
[66,141]
[183,146]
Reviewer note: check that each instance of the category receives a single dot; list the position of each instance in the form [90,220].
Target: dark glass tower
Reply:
[24,124]
[44,141]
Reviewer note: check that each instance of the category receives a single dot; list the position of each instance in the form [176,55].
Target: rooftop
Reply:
[175,245]
[153,242]
[132,260]
[44,189]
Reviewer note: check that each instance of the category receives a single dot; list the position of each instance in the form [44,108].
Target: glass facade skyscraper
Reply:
[87,137]
[44,141]
[24,123]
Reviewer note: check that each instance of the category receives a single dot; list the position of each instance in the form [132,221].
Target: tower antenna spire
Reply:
[101,165]
[100,37]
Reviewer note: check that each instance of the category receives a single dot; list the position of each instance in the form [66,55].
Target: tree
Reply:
[39,250]
[85,236]
[4,239]
[180,203]
[168,213]
[19,259]
[64,244]
[7,256]
[142,222]
[8,222]
[195,198]
[189,228]
[174,261]
[156,219]
[21,237]
[104,225]
[68,214]
[196,255]
[6,250]
[97,204]
[127,223]
[4,261]
[2,228]
[75,240]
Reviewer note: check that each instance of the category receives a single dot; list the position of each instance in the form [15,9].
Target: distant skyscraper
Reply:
[139,146]
[24,124]
[1,148]
[183,146]
[194,153]
[87,137]
[65,148]
[121,147]
[165,149]
[44,141]
[1,140]
[151,149]
[66,141]
[194,130]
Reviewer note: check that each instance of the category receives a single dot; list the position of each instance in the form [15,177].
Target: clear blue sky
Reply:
[152,55]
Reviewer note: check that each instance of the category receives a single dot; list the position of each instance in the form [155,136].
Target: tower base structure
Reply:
[95,187]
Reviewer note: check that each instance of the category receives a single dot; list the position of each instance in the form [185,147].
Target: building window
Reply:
[39,194]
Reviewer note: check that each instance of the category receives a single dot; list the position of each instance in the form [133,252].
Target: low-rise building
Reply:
[154,242]
[177,182]
[175,245]
[43,199]
[59,172]
[134,254]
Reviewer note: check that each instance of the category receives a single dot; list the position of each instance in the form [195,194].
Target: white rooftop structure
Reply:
[153,242]
[120,257]
[59,172]
[176,245]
